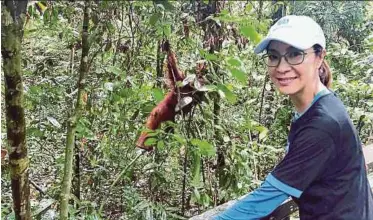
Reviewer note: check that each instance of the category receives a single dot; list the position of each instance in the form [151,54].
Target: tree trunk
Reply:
[72,122]
[12,20]
[279,13]
[213,40]
[76,180]
[160,59]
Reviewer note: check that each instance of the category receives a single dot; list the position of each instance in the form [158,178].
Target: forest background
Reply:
[98,67]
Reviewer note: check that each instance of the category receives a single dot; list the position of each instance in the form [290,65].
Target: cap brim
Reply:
[262,45]
[291,40]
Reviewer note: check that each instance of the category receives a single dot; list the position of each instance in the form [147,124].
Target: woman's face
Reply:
[292,79]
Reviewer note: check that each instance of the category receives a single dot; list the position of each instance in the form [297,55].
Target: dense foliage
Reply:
[243,118]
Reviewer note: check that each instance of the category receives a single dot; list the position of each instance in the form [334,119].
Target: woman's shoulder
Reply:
[329,109]
[327,115]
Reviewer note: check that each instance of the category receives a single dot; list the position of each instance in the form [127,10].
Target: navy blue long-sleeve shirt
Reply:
[323,170]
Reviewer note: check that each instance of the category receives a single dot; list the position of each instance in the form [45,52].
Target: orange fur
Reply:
[165,110]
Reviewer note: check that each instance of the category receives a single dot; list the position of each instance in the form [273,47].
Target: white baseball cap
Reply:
[301,32]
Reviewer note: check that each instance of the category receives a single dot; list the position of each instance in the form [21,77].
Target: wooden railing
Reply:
[288,207]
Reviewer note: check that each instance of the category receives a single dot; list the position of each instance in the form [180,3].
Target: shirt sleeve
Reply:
[258,204]
[308,156]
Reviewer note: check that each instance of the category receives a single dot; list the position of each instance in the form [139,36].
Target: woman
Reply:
[324,168]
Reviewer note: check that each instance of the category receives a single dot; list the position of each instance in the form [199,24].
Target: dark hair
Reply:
[324,72]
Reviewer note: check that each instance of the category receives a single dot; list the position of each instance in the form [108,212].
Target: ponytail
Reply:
[324,71]
[325,74]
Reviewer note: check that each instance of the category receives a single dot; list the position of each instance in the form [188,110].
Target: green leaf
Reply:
[110,27]
[167,30]
[158,94]
[115,70]
[166,4]
[35,132]
[250,32]
[196,195]
[205,200]
[35,89]
[226,93]
[205,148]
[46,16]
[180,139]
[116,98]
[160,145]
[234,62]
[239,75]
[154,18]
[263,131]
[150,142]
[208,88]
[224,12]
[196,169]
[150,133]
[211,57]
[248,7]
[147,108]
[83,129]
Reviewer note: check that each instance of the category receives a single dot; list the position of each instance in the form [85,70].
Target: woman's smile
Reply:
[285,81]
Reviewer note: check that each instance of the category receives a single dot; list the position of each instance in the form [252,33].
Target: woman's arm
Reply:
[255,205]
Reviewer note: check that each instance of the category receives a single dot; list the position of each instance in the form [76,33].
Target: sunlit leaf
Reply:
[35,89]
[228,94]
[250,32]
[180,139]
[224,12]
[54,122]
[239,75]
[205,148]
[160,145]
[263,131]
[234,62]
[205,199]
[211,57]
[196,196]
[167,30]
[248,7]
[150,142]
[196,169]
[208,88]
[158,94]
